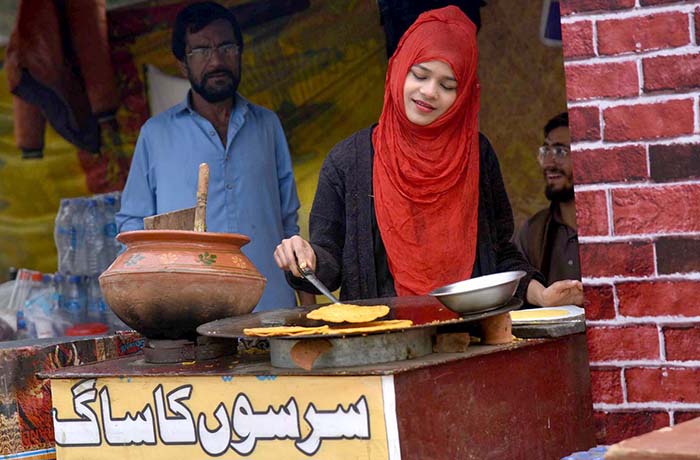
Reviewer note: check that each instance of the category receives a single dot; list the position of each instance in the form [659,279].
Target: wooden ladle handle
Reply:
[200,212]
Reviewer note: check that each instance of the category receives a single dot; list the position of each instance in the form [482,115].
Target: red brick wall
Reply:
[633,85]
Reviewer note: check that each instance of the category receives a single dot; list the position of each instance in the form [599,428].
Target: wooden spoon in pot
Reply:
[200,212]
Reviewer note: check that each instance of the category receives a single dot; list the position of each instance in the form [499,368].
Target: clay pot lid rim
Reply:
[182,235]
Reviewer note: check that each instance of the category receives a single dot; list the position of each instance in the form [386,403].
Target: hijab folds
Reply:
[426,178]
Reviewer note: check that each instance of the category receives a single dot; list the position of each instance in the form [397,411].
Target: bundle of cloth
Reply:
[59,70]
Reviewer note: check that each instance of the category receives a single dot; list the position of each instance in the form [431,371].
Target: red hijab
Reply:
[426,178]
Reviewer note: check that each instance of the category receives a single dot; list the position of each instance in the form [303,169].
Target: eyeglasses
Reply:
[227,50]
[558,152]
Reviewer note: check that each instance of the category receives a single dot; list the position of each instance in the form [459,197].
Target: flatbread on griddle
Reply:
[299,331]
[284,331]
[348,313]
[536,313]
[372,326]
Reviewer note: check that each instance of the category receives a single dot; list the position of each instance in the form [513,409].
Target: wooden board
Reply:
[182,219]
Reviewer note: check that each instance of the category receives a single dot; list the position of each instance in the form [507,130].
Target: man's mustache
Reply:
[554,171]
[226,72]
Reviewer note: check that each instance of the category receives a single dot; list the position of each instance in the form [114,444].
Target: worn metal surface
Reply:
[424,311]
[528,403]
[259,364]
[376,348]
[178,351]
[551,330]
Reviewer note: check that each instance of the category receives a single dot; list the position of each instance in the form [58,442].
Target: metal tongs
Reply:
[310,276]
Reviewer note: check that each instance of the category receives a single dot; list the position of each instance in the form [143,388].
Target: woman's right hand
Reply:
[294,252]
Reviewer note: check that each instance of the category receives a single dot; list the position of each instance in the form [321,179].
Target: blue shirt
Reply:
[251,184]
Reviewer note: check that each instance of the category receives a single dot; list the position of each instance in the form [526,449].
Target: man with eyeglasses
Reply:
[548,239]
[251,186]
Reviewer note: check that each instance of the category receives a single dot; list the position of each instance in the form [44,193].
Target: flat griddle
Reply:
[424,311]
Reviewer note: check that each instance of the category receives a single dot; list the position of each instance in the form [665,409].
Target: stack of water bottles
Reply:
[35,302]
[84,233]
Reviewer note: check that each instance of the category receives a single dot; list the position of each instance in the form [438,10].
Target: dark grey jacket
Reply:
[340,223]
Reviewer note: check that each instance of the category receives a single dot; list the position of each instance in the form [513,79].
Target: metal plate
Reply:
[424,311]
[343,352]
[571,312]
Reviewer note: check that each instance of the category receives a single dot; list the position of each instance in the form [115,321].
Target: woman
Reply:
[417,201]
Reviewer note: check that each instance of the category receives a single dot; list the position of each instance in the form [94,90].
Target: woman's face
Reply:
[430,89]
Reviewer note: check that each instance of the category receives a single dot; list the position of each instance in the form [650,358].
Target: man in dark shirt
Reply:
[548,239]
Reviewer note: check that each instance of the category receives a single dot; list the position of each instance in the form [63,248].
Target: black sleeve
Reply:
[508,257]
[327,225]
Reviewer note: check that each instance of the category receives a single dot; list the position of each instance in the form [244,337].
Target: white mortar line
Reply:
[627,56]
[595,37]
[626,14]
[644,99]
[597,281]
[616,301]
[647,405]
[580,147]
[664,320]
[650,363]
[601,123]
[691,27]
[672,417]
[623,382]
[662,343]
[653,255]
[696,116]
[608,199]
[640,77]
[648,158]
[598,145]
[635,185]
[634,238]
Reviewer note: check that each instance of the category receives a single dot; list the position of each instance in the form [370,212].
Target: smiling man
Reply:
[251,186]
[548,239]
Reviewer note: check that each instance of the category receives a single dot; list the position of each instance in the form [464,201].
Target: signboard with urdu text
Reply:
[227,417]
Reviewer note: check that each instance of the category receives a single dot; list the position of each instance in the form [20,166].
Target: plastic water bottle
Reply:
[59,282]
[111,246]
[39,312]
[95,303]
[78,243]
[93,239]
[63,236]
[74,300]
[22,331]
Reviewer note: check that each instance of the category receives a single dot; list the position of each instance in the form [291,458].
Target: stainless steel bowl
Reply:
[480,293]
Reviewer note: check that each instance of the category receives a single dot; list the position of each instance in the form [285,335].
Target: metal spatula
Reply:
[309,275]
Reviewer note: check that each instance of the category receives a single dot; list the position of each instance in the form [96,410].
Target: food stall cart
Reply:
[526,399]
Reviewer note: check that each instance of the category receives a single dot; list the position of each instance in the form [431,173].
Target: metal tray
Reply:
[424,311]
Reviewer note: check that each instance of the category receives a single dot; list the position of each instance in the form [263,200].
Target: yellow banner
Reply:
[227,417]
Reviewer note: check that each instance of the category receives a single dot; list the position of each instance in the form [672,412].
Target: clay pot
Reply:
[168,282]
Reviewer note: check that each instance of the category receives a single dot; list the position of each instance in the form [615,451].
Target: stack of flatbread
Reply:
[361,319]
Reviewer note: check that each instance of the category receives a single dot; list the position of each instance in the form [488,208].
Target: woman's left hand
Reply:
[566,292]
